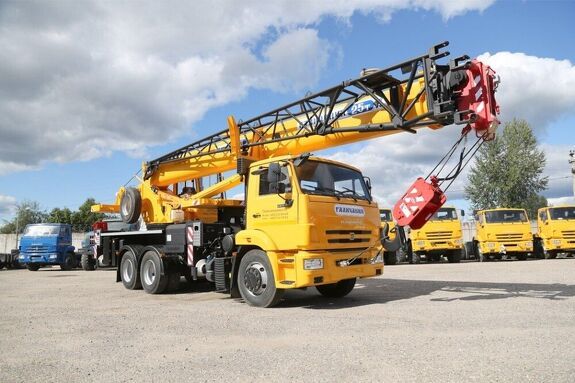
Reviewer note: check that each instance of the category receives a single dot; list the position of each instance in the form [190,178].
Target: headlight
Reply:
[491,245]
[21,256]
[313,264]
[529,244]
[420,243]
[52,256]
[556,242]
[457,241]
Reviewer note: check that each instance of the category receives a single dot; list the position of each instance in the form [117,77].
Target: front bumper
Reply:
[561,244]
[420,245]
[292,274]
[494,247]
[36,258]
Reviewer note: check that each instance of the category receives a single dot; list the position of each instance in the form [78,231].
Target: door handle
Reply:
[256,215]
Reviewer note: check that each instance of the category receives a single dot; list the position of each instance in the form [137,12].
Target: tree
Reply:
[508,171]
[83,219]
[27,212]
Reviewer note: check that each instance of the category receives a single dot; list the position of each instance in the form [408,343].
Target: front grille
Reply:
[439,234]
[568,234]
[509,237]
[348,236]
[37,249]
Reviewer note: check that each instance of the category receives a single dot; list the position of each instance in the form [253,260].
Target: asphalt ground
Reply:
[506,321]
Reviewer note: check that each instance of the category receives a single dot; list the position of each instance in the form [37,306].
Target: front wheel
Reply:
[521,256]
[88,262]
[256,280]
[390,258]
[337,290]
[454,256]
[32,267]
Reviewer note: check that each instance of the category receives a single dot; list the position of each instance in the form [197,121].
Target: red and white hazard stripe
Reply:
[190,240]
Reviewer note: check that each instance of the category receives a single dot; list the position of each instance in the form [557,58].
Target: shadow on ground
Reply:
[382,291]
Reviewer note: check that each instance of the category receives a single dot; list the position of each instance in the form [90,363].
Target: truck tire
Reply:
[2,265]
[131,205]
[129,271]
[69,262]
[390,258]
[552,254]
[538,250]
[521,256]
[87,262]
[337,290]
[256,280]
[153,281]
[454,256]
[32,267]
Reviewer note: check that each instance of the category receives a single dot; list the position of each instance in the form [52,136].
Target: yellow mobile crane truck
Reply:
[441,235]
[555,231]
[305,221]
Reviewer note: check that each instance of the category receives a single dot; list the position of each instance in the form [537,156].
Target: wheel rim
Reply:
[128,270]
[256,278]
[149,272]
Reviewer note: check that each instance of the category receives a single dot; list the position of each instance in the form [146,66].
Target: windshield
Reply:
[502,216]
[328,179]
[444,214]
[562,213]
[38,230]
[385,215]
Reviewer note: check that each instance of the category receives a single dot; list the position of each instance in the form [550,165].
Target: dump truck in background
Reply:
[555,231]
[440,236]
[502,232]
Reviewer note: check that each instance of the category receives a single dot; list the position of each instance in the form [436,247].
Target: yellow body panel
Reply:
[503,237]
[438,235]
[556,234]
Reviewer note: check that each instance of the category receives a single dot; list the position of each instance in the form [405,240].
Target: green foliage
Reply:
[27,212]
[30,212]
[508,171]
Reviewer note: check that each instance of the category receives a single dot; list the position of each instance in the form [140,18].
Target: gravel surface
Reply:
[506,321]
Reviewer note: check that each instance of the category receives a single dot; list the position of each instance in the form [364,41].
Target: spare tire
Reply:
[131,205]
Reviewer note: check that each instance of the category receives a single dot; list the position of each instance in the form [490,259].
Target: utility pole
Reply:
[572,162]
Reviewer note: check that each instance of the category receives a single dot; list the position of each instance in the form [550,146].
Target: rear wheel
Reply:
[256,280]
[129,271]
[153,281]
[521,256]
[32,267]
[337,290]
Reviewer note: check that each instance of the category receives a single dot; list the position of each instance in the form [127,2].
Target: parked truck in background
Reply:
[555,231]
[47,244]
[502,232]
[440,236]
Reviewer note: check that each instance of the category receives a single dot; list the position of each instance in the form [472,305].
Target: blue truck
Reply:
[46,244]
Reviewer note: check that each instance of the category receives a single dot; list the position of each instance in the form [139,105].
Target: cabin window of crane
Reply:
[323,178]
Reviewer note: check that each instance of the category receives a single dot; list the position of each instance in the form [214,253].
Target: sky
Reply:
[91,89]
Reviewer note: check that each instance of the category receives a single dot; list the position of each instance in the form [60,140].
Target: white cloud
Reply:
[561,201]
[7,205]
[537,89]
[559,171]
[81,80]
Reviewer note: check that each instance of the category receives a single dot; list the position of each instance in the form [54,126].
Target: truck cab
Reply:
[441,235]
[47,244]
[555,231]
[502,232]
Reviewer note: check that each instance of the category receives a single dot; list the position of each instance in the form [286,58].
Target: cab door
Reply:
[272,207]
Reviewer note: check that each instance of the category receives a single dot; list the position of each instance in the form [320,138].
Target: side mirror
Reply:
[368,183]
[462,213]
[274,173]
